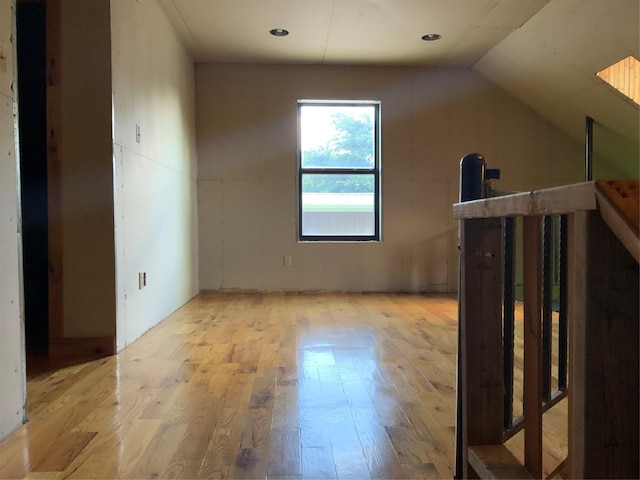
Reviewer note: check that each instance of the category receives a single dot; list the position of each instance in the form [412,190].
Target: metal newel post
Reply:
[472,176]
[472,187]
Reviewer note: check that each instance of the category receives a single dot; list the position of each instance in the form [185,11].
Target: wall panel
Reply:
[156,196]
[12,365]
[431,118]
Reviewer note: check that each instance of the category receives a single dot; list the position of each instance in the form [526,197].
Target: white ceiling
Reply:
[544,52]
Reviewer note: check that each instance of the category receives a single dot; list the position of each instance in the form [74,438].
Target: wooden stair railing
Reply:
[603,313]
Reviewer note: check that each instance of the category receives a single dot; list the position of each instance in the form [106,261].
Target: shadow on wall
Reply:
[424,266]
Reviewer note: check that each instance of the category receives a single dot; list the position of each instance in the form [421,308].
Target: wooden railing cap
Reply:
[548,201]
[619,205]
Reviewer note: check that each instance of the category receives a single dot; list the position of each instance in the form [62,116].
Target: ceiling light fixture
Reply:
[279,32]
[430,37]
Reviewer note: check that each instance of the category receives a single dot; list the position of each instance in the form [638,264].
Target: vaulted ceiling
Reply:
[544,52]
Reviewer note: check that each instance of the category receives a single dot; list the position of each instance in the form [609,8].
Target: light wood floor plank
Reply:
[235,385]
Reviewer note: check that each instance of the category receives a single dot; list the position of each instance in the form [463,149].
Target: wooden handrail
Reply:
[620,207]
[617,200]
[602,220]
[550,201]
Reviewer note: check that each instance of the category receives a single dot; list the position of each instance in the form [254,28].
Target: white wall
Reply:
[12,393]
[156,206]
[431,118]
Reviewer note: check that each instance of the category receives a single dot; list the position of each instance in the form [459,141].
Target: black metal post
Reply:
[589,149]
[508,318]
[547,297]
[472,176]
[563,304]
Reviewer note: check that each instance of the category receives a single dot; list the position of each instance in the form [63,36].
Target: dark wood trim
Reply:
[54,173]
[605,359]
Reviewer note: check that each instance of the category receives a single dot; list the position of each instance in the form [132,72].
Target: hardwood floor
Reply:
[302,386]
[253,386]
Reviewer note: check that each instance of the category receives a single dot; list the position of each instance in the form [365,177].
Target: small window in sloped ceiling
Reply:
[624,76]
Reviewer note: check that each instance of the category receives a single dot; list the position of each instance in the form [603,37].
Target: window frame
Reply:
[375,170]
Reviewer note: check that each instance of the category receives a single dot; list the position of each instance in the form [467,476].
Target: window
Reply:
[338,171]
[624,76]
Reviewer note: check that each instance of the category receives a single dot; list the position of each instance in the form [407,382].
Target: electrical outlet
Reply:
[286,260]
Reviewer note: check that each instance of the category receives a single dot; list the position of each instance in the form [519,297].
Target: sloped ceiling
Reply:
[550,64]
[544,52]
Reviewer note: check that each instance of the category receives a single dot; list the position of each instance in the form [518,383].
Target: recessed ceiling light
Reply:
[279,32]
[430,37]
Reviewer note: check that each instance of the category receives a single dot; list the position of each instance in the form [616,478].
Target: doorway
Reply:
[32,138]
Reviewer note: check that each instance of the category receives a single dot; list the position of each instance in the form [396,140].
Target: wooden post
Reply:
[532,402]
[605,360]
[481,332]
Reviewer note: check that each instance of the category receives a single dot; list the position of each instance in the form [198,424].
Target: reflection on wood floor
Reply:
[318,386]
[253,386]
